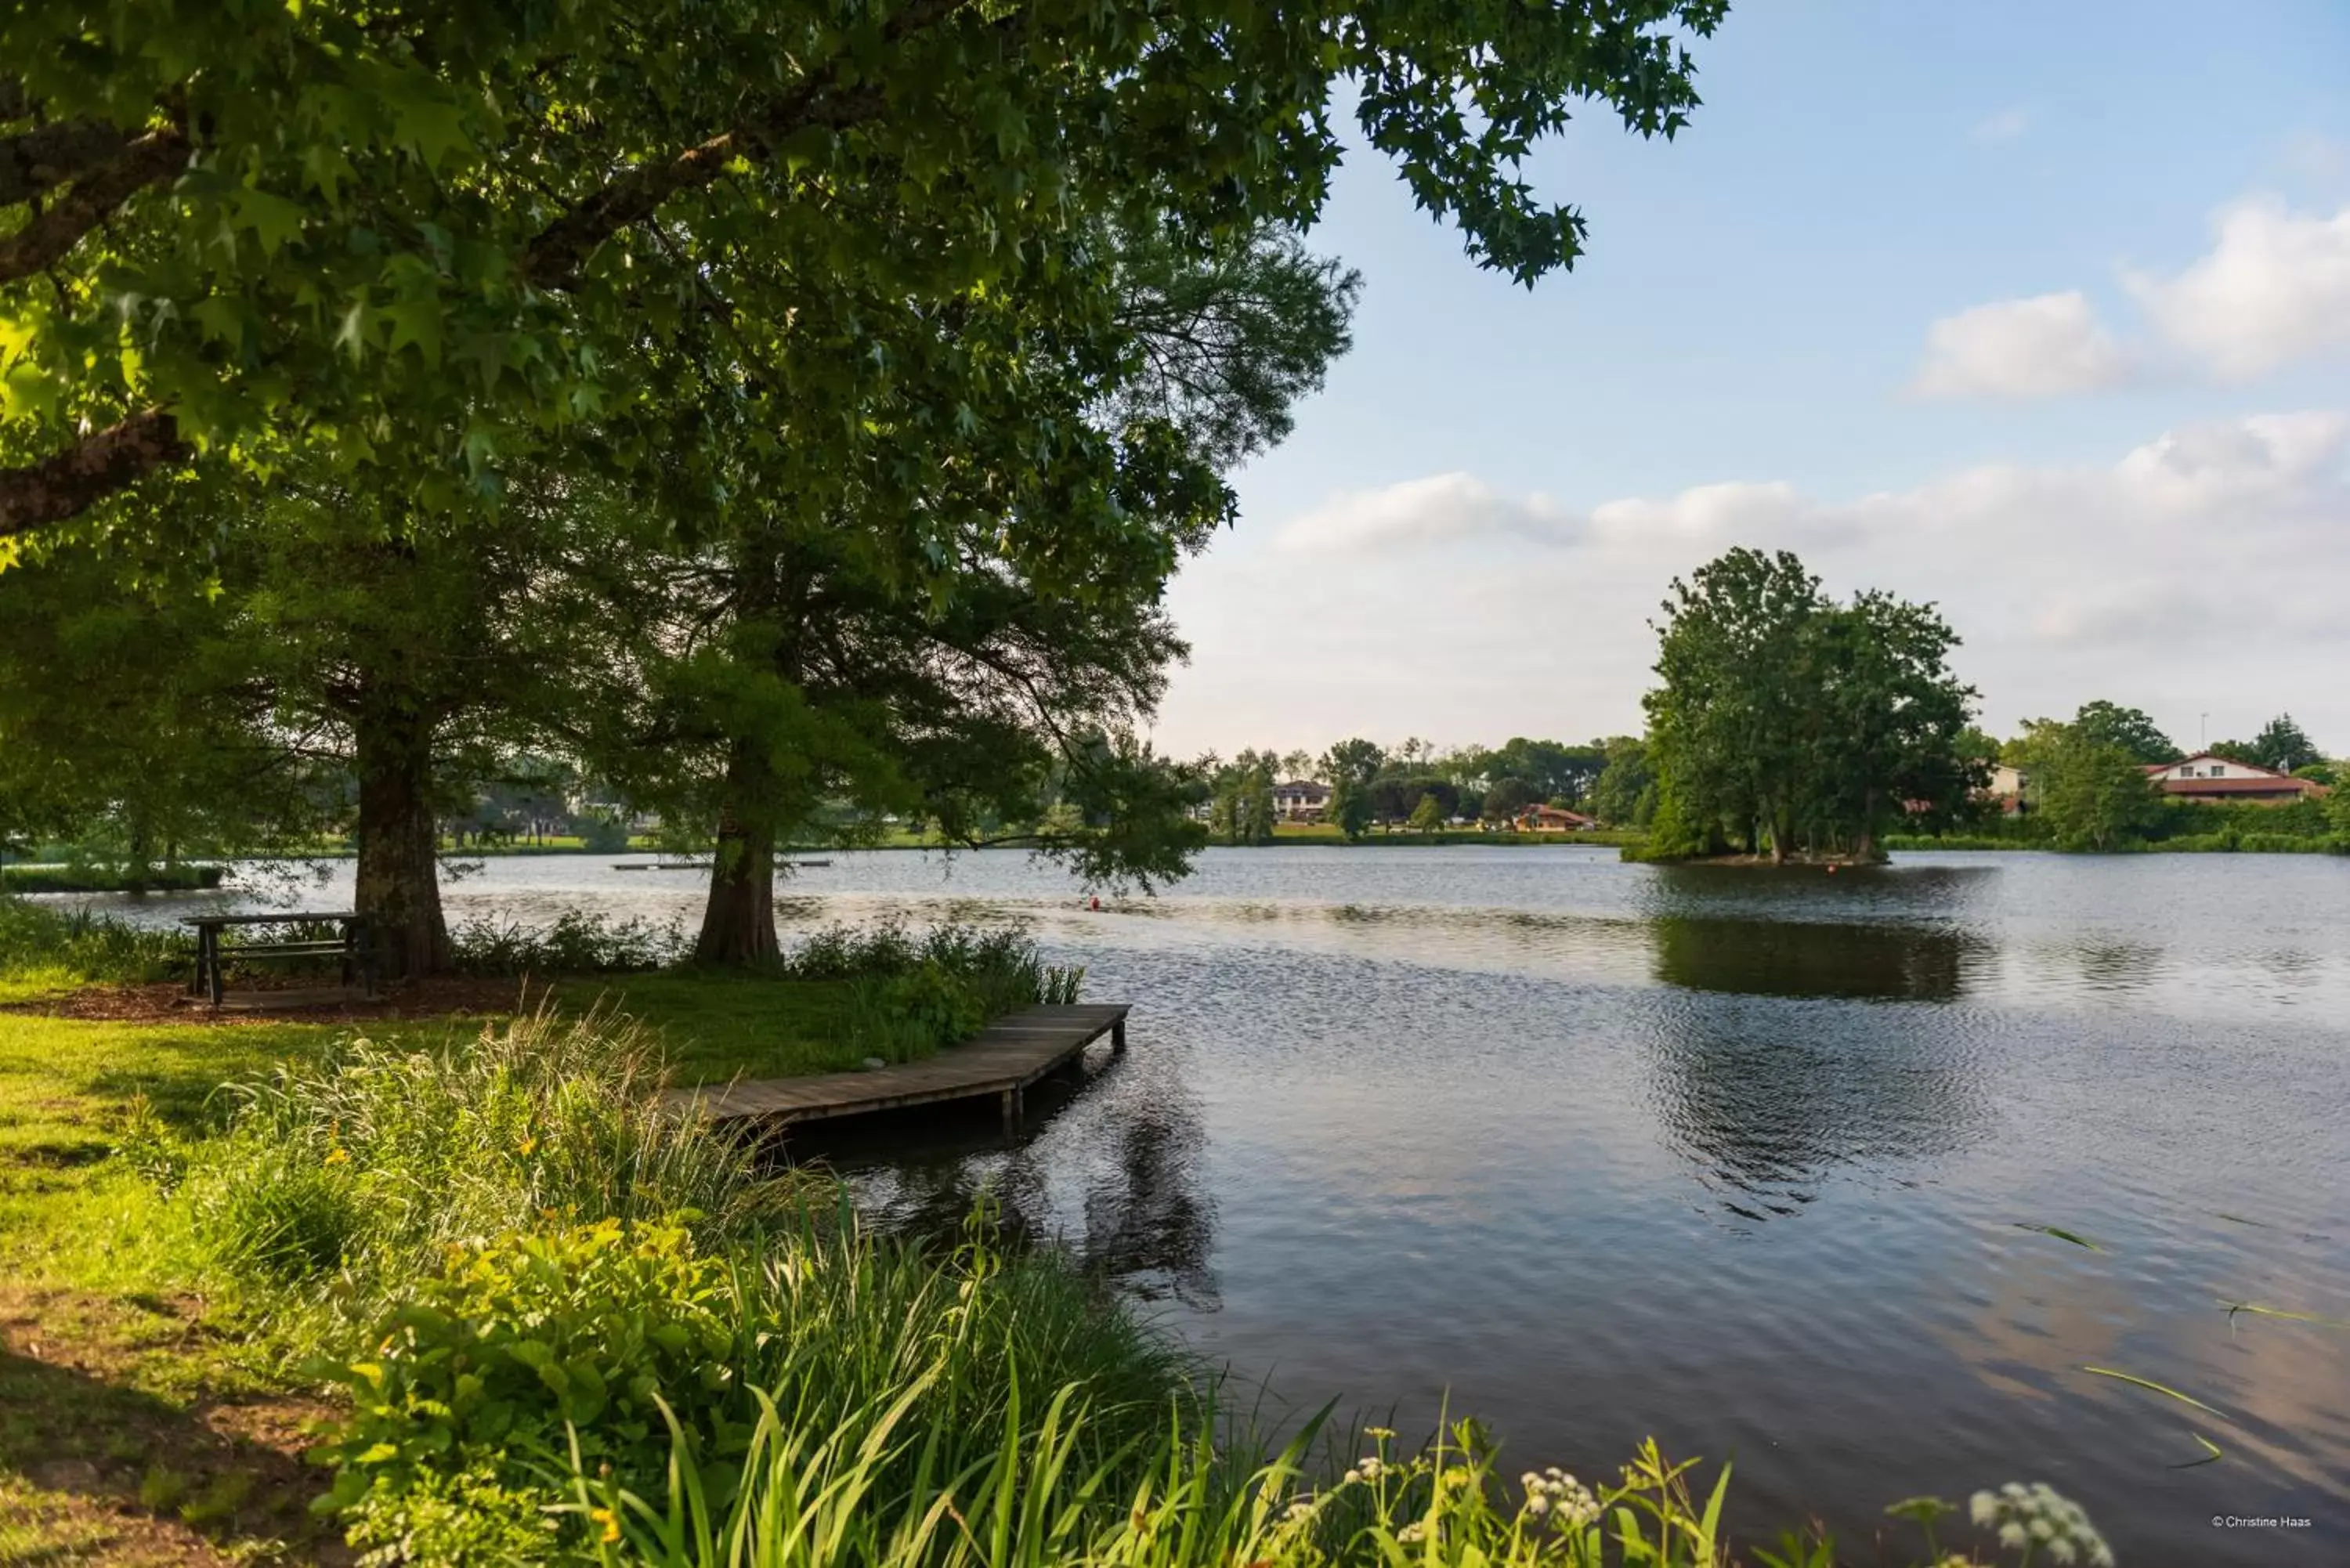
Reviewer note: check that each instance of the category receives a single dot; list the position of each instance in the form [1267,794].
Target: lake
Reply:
[1750,1161]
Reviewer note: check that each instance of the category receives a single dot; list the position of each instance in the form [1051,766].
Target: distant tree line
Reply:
[1415,786]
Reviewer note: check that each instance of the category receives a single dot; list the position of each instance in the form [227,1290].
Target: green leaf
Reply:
[273,219]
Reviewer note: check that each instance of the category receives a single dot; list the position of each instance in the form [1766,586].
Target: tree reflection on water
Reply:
[1141,1219]
[1766,1100]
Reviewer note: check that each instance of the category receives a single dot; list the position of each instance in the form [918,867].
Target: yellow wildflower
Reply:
[610,1520]
[528,1146]
[338,1155]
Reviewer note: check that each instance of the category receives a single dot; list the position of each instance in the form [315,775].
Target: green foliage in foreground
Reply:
[343,1180]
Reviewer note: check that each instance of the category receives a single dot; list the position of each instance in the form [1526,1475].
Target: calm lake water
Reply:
[1744,1159]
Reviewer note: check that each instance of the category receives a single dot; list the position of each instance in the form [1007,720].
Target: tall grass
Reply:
[645,1359]
[912,996]
[342,1181]
[833,1495]
[77,946]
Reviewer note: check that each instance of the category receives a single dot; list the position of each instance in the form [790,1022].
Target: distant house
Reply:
[1551,819]
[2206,777]
[1300,800]
[2006,788]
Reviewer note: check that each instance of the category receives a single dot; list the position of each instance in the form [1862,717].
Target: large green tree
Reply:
[1894,741]
[324,666]
[1788,720]
[1350,766]
[2092,792]
[2131,729]
[414,240]
[1731,724]
[2284,745]
[1625,795]
[974,619]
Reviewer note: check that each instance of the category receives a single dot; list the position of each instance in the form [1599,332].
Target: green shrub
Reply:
[530,1345]
[577,943]
[912,997]
[477,1516]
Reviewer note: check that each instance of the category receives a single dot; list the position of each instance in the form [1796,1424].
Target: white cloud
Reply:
[1427,511]
[2043,347]
[2274,287]
[2007,125]
[2200,570]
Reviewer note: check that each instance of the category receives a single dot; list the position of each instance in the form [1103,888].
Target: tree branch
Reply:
[47,155]
[93,197]
[554,258]
[93,468]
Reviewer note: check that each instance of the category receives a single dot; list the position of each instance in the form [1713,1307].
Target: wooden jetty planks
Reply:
[1002,1060]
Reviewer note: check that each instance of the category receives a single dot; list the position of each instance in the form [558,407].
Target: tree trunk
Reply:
[399,889]
[738,924]
[141,855]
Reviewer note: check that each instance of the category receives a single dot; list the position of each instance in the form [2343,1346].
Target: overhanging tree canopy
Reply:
[415,237]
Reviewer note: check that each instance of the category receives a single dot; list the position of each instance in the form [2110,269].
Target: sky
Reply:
[2038,313]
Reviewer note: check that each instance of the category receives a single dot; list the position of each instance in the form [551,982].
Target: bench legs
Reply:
[1117,1038]
[1012,1109]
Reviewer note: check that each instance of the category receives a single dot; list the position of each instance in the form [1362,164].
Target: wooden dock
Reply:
[1002,1060]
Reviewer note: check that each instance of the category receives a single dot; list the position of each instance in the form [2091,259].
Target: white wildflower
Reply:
[2029,1519]
[1412,1534]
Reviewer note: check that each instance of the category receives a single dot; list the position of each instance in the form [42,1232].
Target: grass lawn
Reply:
[131,1430]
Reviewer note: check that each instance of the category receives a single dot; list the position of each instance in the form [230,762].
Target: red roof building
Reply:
[2206,778]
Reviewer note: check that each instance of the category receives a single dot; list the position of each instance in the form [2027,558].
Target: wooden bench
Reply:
[353,948]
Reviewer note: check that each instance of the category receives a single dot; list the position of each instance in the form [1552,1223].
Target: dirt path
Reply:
[119,1446]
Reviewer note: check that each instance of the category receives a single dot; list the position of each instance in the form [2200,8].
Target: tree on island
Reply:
[1791,723]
